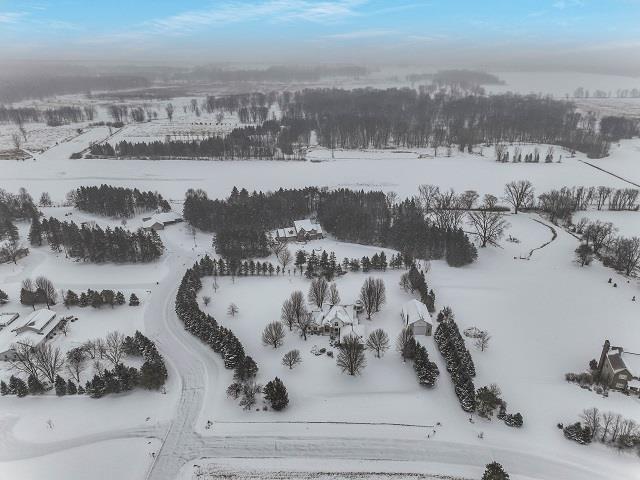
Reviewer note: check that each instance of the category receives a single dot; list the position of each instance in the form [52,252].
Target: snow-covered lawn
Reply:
[125,459]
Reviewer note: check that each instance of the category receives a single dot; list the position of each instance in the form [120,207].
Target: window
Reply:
[619,385]
[622,376]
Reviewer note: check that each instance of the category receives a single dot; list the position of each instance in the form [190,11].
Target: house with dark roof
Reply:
[618,369]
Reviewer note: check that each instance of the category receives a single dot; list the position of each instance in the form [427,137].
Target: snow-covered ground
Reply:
[388,170]
[547,316]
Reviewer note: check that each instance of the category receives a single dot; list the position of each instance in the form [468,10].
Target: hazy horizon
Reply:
[549,35]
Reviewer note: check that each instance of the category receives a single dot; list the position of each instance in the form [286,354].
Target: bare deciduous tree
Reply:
[489,226]
[372,295]
[378,342]
[49,293]
[24,359]
[273,335]
[334,295]
[351,357]
[49,360]
[285,258]
[591,418]
[114,347]
[206,300]
[169,110]
[303,324]
[292,358]
[519,194]
[406,343]
[482,342]
[318,291]
[232,309]
[293,309]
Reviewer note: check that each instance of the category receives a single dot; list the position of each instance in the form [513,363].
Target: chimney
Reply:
[603,355]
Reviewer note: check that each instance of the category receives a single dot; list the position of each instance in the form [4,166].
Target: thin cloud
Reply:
[358,34]
[11,17]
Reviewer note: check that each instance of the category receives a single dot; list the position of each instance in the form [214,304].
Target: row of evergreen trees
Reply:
[117,201]
[205,327]
[93,244]
[459,362]
[235,267]
[97,299]
[368,218]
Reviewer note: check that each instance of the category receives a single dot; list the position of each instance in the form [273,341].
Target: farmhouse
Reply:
[301,231]
[332,319]
[415,315]
[619,369]
[160,220]
[37,328]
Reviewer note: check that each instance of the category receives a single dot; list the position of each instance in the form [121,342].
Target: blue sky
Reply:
[252,30]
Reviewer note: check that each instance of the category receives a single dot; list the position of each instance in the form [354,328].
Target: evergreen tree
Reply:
[120,300]
[70,299]
[34,385]
[35,232]
[133,300]
[276,394]
[71,388]
[4,298]
[19,387]
[4,389]
[61,386]
[494,471]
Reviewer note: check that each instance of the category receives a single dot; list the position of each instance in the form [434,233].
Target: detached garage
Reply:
[416,316]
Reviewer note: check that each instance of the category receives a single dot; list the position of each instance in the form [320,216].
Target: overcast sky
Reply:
[493,34]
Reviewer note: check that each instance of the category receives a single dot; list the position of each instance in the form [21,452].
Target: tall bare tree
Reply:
[351,357]
[378,342]
[24,359]
[372,295]
[488,225]
[49,360]
[292,358]
[76,362]
[48,291]
[318,291]
[273,335]
[293,309]
[114,347]
[334,295]
[519,194]
[285,258]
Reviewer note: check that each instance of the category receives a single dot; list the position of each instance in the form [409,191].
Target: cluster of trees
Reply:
[98,299]
[415,281]
[374,218]
[241,220]
[488,400]
[267,141]
[368,118]
[117,201]
[616,128]
[53,117]
[204,326]
[44,364]
[427,372]
[561,204]
[38,292]
[606,427]
[600,241]
[459,362]
[93,244]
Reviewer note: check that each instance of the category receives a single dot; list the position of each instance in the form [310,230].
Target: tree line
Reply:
[93,244]
[117,201]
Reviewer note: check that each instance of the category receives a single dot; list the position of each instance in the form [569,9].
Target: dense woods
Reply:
[241,221]
[93,244]
[117,201]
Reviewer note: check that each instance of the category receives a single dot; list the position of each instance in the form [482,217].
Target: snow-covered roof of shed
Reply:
[162,218]
[415,310]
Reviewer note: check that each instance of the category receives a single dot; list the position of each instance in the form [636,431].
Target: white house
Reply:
[416,316]
[332,319]
[36,329]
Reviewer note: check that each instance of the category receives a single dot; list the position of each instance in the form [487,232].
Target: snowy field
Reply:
[547,316]
[388,170]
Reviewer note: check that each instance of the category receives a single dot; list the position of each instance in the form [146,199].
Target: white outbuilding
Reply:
[416,316]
